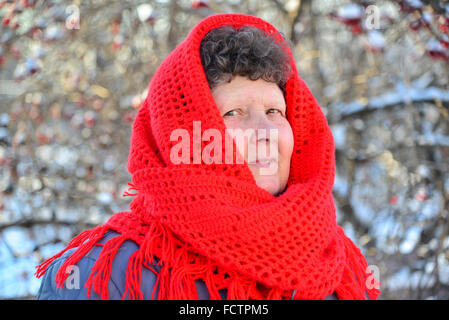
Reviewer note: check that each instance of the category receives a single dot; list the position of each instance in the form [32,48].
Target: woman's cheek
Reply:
[286,141]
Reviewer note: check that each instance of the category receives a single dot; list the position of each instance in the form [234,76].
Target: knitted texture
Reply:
[212,221]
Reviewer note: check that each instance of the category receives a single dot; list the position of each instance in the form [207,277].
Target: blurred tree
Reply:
[74,73]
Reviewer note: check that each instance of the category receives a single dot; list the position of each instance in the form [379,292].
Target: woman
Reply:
[204,224]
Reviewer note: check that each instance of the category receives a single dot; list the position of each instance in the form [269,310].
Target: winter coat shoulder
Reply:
[75,290]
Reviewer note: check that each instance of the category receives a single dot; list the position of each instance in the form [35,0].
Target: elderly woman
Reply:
[233,165]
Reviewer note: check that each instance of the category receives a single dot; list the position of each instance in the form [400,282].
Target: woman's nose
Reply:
[263,129]
[263,142]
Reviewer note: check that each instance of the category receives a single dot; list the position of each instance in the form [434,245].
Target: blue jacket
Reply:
[49,291]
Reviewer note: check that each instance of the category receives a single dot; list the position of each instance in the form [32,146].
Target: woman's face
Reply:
[259,106]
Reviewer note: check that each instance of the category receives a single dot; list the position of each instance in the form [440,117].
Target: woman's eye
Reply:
[275,110]
[228,113]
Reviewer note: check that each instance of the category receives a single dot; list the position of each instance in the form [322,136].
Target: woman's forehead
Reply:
[250,92]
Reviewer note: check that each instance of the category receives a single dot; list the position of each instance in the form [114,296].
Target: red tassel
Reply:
[355,273]
[41,268]
[173,283]
[133,277]
[92,235]
[83,248]
[101,270]
[131,187]
[179,269]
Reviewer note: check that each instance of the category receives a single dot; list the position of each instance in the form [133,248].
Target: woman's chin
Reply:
[269,183]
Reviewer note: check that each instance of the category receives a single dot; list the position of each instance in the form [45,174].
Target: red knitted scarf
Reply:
[211,221]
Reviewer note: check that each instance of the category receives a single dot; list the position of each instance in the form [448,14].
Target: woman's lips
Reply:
[262,163]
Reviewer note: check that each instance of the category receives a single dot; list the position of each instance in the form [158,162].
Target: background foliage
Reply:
[74,73]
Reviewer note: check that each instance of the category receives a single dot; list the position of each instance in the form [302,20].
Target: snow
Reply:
[350,11]
[31,64]
[110,163]
[19,243]
[396,228]
[423,81]
[387,227]
[446,184]
[144,11]
[16,272]
[427,17]
[53,32]
[400,94]
[4,119]
[4,133]
[49,250]
[339,134]
[432,206]
[431,138]
[376,39]
[435,45]
[20,71]
[400,279]
[340,186]
[443,268]
[104,197]
[17,278]
[362,210]
[65,157]
[405,278]
[423,171]
[350,232]
[414,3]
[412,237]
[445,38]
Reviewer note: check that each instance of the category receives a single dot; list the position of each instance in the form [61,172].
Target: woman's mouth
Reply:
[265,163]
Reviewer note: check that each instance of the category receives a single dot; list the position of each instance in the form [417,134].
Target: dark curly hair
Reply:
[248,51]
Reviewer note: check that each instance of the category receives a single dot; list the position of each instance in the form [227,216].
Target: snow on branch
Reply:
[417,91]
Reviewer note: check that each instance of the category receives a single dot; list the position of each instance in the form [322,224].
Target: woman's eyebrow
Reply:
[238,102]
[278,103]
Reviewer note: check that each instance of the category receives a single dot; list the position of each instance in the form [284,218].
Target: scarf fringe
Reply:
[101,270]
[131,187]
[41,268]
[180,268]
[84,241]
[355,276]
[172,283]
[133,275]
[83,248]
